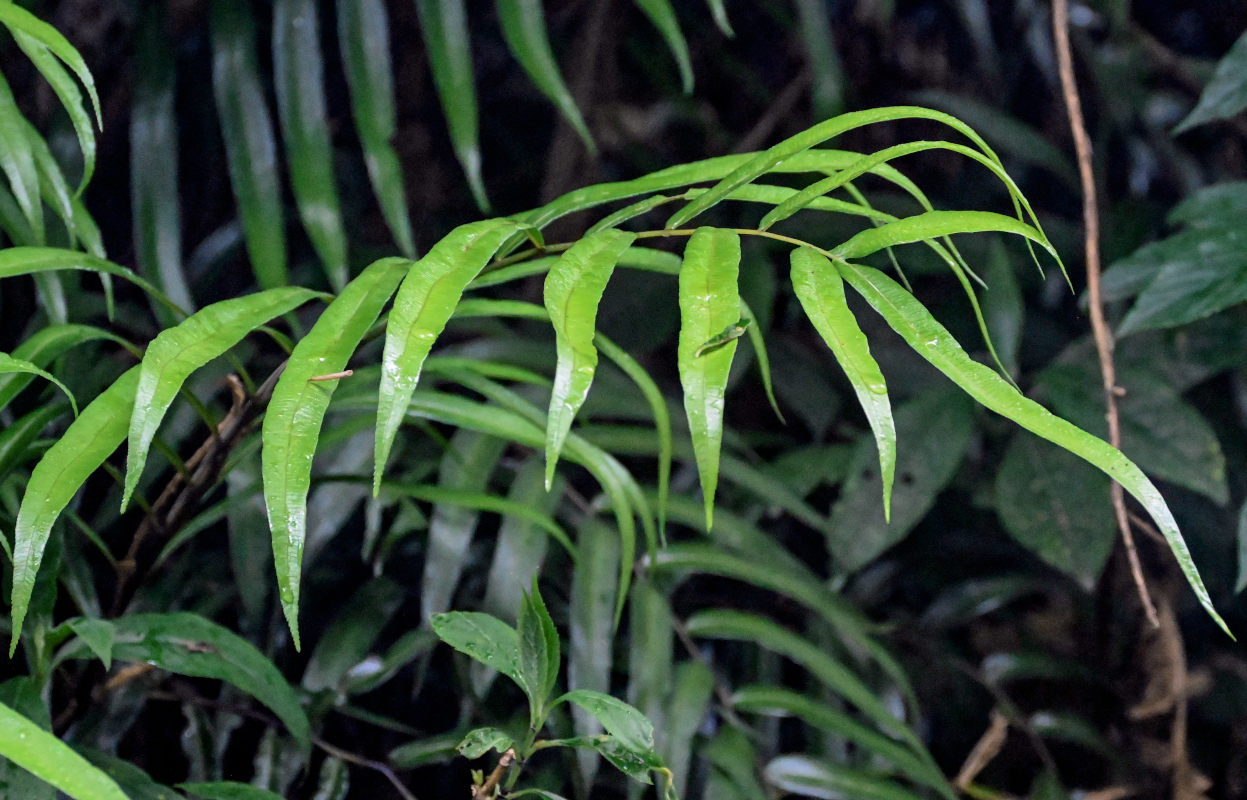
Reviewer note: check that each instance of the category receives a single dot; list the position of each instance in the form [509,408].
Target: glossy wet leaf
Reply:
[189,644]
[539,656]
[34,749]
[621,720]
[364,38]
[932,225]
[661,13]
[487,639]
[178,351]
[1226,94]
[905,315]
[425,301]
[54,481]
[480,741]
[296,413]
[36,260]
[10,365]
[444,28]
[250,144]
[820,290]
[573,290]
[709,303]
[524,28]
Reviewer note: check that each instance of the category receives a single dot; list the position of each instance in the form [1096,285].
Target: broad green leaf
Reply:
[573,290]
[32,748]
[1162,433]
[189,644]
[299,83]
[250,145]
[524,28]
[539,656]
[10,365]
[821,291]
[777,701]
[364,38]
[663,16]
[228,790]
[17,158]
[1212,206]
[905,315]
[590,612]
[296,413]
[19,435]
[480,741]
[709,303]
[351,634]
[444,28]
[54,481]
[622,721]
[487,639]
[933,432]
[811,777]
[425,301]
[154,197]
[134,782]
[1226,94]
[178,351]
[98,635]
[739,626]
[23,695]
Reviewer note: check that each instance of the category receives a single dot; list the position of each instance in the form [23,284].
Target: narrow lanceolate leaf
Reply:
[18,19]
[177,352]
[364,38]
[299,83]
[250,146]
[720,17]
[709,306]
[524,28]
[32,748]
[9,364]
[17,160]
[444,26]
[539,651]
[154,176]
[296,412]
[573,290]
[425,301]
[921,331]
[36,260]
[43,347]
[934,224]
[88,440]
[821,291]
[663,16]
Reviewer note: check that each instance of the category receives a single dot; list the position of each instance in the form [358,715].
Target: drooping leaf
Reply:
[810,777]
[709,303]
[18,436]
[31,747]
[522,544]
[17,159]
[573,290]
[54,481]
[178,351]
[444,27]
[821,291]
[296,412]
[622,721]
[591,611]
[364,38]
[663,16]
[36,260]
[1226,94]
[934,224]
[524,28]
[425,301]
[719,11]
[250,144]
[10,365]
[487,639]
[905,315]
[299,84]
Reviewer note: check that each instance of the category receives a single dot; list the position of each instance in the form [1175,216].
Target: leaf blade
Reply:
[31,747]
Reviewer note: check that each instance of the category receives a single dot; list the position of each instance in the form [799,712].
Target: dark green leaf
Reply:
[487,639]
[1226,94]
[351,634]
[228,790]
[811,777]
[539,656]
[663,16]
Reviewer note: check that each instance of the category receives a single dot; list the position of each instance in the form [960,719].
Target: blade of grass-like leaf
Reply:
[424,303]
[250,146]
[227,790]
[709,303]
[758,340]
[776,701]
[444,27]
[18,19]
[32,748]
[810,777]
[663,16]
[20,434]
[719,12]
[35,260]
[67,91]
[299,83]
[522,545]
[296,412]
[177,352]
[364,38]
[154,176]
[905,315]
[524,28]
[573,291]
[765,161]
[352,634]
[484,501]
[827,78]
[632,211]
[590,615]
[934,224]
[764,632]
[54,481]
[820,290]
[45,345]
[9,365]
[17,160]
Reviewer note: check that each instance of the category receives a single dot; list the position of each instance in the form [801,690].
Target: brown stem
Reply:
[1099,326]
[486,789]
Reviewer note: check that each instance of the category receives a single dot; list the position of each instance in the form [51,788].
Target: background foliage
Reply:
[987,627]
